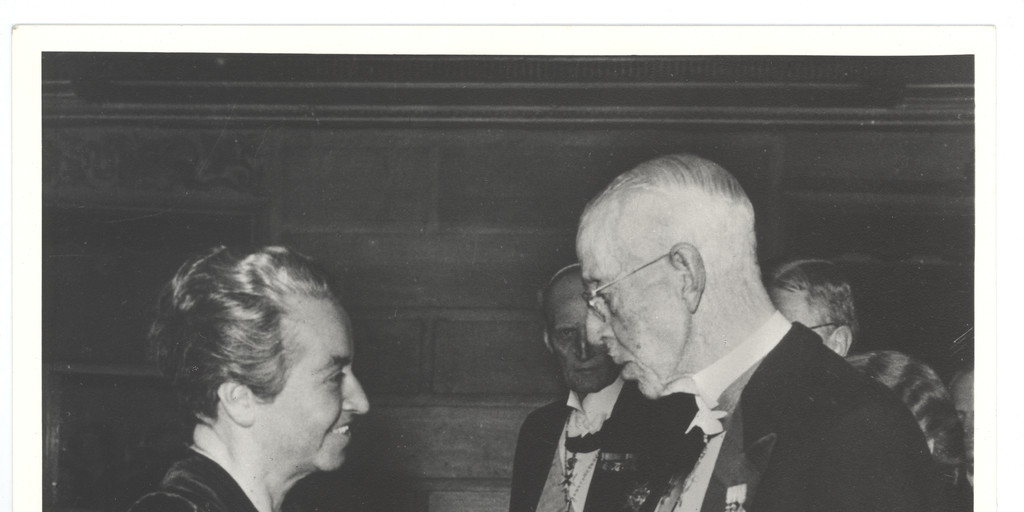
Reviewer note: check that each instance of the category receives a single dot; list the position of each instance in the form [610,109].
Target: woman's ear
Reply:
[237,403]
[686,259]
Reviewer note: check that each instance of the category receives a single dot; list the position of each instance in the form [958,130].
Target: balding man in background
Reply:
[817,294]
[669,259]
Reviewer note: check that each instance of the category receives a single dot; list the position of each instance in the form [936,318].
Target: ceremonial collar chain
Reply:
[570,466]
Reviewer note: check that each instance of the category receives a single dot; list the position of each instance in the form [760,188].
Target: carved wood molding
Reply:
[175,89]
[325,68]
[449,116]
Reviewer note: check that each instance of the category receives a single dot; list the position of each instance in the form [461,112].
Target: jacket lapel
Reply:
[542,454]
[767,410]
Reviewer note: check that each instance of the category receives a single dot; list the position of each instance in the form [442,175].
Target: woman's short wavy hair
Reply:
[219,320]
[923,392]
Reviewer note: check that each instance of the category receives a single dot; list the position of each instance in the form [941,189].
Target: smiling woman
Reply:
[260,355]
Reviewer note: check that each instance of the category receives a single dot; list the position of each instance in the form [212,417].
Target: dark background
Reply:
[443,191]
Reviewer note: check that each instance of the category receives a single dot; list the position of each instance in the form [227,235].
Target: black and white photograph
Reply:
[510,280]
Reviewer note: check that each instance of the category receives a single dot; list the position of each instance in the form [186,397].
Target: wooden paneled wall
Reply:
[440,235]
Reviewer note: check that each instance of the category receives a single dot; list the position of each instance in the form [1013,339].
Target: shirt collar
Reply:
[709,383]
[598,404]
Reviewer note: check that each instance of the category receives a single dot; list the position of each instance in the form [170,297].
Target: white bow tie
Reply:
[707,419]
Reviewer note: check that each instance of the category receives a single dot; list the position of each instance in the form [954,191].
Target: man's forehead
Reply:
[631,215]
[605,253]
[596,245]
[795,306]
[565,293]
[598,261]
[962,389]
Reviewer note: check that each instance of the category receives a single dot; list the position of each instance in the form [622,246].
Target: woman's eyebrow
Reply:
[336,363]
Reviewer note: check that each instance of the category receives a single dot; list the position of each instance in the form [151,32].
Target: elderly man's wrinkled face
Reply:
[307,425]
[586,368]
[643,321]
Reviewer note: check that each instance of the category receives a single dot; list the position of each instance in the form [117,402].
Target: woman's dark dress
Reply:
[195,484]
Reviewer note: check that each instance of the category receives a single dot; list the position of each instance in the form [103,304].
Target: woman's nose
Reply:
[354,398]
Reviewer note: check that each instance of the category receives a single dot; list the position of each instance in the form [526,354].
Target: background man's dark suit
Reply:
[821,436]
[636,426]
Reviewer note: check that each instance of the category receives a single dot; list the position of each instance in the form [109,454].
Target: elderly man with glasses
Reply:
[817,294]
[668,254]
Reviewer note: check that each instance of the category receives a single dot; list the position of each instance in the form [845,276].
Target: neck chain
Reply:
[693,473]
[570,466]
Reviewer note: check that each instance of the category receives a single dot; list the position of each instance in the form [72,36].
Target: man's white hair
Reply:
[673,199]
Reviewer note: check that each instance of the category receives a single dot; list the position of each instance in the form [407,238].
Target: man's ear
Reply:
[840,339]
[547,341]
[237,403]
[686,259]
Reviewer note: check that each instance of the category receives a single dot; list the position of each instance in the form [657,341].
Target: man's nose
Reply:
[584,349]
[597,331]
[353,398]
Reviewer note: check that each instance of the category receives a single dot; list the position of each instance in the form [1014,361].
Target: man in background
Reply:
[590,452]
[816,293]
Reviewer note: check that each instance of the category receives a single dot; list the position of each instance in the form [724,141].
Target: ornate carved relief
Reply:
[126,160]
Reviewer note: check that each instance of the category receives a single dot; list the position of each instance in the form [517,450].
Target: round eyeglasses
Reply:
[598,304]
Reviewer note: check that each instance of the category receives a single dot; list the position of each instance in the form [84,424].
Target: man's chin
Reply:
[589,385]
[650,391]
[648,388]
[630,371]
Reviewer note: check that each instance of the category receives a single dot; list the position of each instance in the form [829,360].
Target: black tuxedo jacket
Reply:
[811,433]
[636,427]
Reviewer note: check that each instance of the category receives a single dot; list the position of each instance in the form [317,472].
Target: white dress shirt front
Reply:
[587,417]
